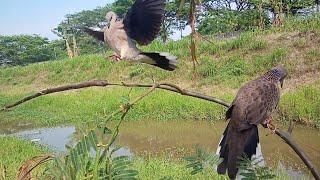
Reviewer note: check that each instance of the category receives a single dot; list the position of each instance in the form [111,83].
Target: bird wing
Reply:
[143,20]
[99,35]
[259,98]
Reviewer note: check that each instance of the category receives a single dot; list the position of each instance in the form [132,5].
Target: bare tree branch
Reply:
[57,89]
[104,83]
[173,88]
[288,139]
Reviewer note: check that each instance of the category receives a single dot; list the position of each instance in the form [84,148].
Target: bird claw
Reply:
[272,128]
[115,57]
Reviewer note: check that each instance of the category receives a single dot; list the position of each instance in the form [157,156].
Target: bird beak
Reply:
[281,83]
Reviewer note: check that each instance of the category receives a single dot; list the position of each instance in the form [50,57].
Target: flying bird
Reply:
[141,25]
[253,105]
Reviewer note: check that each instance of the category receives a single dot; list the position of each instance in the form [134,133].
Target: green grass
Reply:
[93,104]
[14,152]
[303,105]
[158,168]
[225,65]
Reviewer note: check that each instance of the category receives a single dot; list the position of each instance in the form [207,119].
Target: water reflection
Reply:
[176,139]
[56,138]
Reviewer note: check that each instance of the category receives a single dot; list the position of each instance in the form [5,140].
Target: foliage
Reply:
[25,49]
[71,27]
[302,105]
[251,170]
[202,160]
[93,157]
[88,160]
[227,16]
[225,20]
[120,7]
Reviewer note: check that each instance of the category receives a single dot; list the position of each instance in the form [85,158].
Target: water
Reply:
[176,139]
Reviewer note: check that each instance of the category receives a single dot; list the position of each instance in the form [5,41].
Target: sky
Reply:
[39,16]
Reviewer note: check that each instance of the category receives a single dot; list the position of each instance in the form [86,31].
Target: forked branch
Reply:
[104,83]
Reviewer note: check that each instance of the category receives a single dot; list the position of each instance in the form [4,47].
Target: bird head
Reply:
[111,16]
[279,73]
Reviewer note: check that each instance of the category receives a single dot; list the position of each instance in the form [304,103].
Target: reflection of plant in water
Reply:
[93,157]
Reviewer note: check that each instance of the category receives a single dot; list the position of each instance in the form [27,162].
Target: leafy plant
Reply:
[93,157]
[250,169]
[202,160]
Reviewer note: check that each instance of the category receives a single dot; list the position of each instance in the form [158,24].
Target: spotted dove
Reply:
[253,105]
[141,25]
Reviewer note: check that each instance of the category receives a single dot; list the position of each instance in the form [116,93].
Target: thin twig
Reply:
[124,109]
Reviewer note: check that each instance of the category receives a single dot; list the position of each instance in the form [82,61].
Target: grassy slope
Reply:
[225,66]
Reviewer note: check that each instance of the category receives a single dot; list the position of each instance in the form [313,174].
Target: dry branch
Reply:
[25,170]
[173,88]
[103,83]
[288,139]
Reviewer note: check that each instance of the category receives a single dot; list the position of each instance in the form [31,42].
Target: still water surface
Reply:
[176,139]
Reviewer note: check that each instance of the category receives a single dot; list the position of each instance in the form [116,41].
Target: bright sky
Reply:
[39,16]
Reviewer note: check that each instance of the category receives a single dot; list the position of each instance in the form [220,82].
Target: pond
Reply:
[176,139]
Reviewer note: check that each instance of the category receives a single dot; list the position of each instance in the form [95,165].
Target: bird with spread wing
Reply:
[141,25]
[253,105]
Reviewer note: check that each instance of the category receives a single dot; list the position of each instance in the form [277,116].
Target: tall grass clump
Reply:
[233,72]
[240,41]
[313,58]
[302,105]
[208,68]
[263,63]
[257,45]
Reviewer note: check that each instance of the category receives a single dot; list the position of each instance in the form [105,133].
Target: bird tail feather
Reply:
[162,60]
[241,143]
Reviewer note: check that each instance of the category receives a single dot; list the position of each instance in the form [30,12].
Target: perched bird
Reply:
[253,105]
[141,25]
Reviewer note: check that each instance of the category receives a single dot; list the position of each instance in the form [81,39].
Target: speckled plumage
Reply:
[253,105]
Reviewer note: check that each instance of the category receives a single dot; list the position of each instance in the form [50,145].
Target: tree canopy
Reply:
[24,49]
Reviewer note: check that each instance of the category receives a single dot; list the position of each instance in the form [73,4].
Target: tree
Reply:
[223,16]
[76,41]
[120,7]
[25,49]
